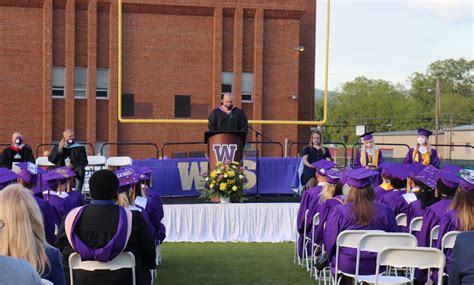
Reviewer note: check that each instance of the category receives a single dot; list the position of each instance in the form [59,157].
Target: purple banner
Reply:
[182,177]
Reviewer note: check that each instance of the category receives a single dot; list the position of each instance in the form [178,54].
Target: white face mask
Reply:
[422,140]
[369,151]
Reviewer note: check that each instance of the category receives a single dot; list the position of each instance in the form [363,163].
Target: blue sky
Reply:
[391,39]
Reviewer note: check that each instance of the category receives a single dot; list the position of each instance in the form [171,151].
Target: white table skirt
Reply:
[253,222]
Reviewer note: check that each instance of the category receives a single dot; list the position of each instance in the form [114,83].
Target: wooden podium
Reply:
[224,146]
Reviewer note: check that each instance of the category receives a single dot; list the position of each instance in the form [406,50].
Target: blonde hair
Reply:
[23,235]
[327,192]
[463,202]
[363,149]
[122,200]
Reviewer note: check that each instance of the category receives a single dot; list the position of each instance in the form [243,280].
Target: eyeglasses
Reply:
[2,224]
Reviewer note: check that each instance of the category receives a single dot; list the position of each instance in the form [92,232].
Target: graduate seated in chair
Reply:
[422,152]
[447,184]
[368,155]
[459,218]
[17,152]
[28,176]
[359,212]
[102,230]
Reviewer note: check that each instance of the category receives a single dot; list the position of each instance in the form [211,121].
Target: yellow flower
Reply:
[234,188]
[241,176]
[207,179]
[211,186]
[222,186]
[213,173]
[231,173]
[219,171]
[225,175]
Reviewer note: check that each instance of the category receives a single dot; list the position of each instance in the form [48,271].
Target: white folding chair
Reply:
[123,260]
[434,234]
[350,239]
[412,257]
[416,224]
[305,250]
[95,162]
[401,219]
[375,242]
[43,161]
[296,256]
[118,161]
[448,241]
[310,241]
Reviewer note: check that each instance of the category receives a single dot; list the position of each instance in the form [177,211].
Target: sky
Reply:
[390,39]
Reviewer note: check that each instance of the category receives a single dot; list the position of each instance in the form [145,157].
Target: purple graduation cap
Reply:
[449,179]
[48,180]
[360,178]
[385,166]
[467,179]
[367,136]
[127,177]
[451,168]
[333,175]
[322,165]
[399,171]
[424,132]
[28,171]
[428,176]
[6,177]
[414,169]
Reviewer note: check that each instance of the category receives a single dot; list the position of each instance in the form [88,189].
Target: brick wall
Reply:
[168,50]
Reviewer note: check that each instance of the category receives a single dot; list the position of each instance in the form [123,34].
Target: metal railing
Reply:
[179,143]
[157,148]
[53,144]
[271,143]
[385,144]
[326,144]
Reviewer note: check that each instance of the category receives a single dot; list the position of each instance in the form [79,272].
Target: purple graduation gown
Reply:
[309,197]
[449,222]
[65,204]
[357,159]
[341,219]
[51,217]
[415,210]
[431,218]
[434,159]
[156,214]
[379,193]
[395,201]
[324,211]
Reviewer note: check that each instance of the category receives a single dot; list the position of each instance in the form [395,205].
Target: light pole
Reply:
[437,73]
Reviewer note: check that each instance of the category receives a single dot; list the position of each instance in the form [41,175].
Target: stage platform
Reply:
[234,222]
[251,199]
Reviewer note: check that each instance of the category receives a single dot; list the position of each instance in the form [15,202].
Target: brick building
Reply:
[59,64]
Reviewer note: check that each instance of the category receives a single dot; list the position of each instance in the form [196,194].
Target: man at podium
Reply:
[227,117]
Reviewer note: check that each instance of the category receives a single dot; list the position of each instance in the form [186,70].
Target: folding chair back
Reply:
[376,241]
[413,257]
[118,161]
[449,239]
[123,260]
[401,220]
[416,224]
[434,234]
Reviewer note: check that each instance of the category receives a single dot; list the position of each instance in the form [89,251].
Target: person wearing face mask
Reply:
[373,157]
[17,152]
[227,117]
[313,152]
[422,151]
[71,154]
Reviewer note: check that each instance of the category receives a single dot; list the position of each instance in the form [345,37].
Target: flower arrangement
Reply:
[227,180]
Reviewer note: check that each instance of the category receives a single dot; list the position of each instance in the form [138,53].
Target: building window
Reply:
[80,83]
[102,83]
[182,106]
[247,87]
[227,82]
[58,81]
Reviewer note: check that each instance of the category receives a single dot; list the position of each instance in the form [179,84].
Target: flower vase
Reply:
[225,200]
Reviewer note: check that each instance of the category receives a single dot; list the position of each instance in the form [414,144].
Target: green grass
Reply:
[230,263]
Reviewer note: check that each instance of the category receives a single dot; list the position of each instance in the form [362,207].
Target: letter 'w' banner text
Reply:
[182,177]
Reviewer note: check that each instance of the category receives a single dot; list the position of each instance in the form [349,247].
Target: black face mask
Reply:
[70,141]
[229,107]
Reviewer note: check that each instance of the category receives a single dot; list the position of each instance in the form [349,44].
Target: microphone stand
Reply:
[258,134]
